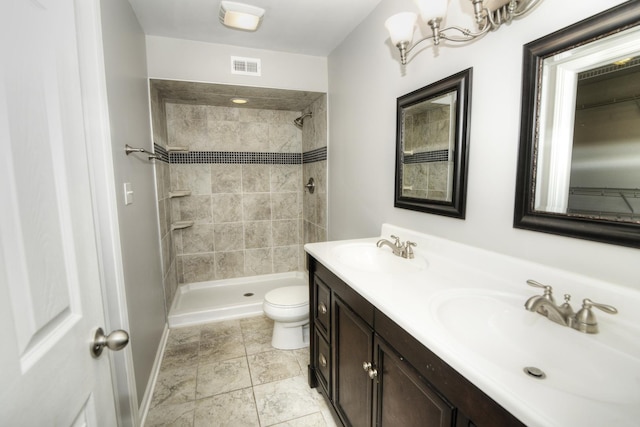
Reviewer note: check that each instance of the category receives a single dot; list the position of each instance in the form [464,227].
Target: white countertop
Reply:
[416,300]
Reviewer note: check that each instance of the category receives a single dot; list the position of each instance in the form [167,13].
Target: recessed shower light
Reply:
[239,100]
[622,62]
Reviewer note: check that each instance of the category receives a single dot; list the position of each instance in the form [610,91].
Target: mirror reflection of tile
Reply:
[427,166]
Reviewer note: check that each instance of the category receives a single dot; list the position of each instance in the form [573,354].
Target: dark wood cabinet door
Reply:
[402,396]
[321,360]
[353,345]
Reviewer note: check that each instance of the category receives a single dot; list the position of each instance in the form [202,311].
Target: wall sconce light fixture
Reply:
[489,16]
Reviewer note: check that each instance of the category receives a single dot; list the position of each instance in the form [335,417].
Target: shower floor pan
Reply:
[203,302]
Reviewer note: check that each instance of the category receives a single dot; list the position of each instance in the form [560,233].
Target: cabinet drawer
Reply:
[322,360]
[322,310]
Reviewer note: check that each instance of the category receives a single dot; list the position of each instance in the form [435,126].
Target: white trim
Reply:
[153,378]
[94,98]
[557,109]
[556,138]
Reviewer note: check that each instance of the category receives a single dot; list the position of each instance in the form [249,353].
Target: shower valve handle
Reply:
[311,185]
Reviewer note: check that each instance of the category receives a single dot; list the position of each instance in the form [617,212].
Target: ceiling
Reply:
[173,91]
[309,27]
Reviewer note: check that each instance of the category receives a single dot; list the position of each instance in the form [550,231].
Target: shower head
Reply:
[300,120]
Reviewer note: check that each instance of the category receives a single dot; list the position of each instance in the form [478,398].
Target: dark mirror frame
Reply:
[461,84]
[613,20]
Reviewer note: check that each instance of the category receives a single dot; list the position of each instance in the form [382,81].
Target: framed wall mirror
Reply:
[579,158]
[432,143]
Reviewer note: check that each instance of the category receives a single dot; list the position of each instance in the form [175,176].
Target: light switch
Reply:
[128,193]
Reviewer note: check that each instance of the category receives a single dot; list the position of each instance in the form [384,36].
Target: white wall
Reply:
[365,78]
[176,59]
[128,100]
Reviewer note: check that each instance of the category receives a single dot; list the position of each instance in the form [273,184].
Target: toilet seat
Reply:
[288,296]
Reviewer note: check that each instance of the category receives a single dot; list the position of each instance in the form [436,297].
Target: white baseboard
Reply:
[148,393]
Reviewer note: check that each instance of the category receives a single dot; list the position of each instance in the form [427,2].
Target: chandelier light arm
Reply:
[528,5]
[438,34]
[466,36]
[496,18]
[504,14]
[404,48]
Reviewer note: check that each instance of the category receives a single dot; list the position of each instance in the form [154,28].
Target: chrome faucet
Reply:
[404,250]
[584,320]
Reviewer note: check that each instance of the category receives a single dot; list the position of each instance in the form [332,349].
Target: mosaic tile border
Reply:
[317,155]
[235,157]
[241,157]
[160,151]
[427,157]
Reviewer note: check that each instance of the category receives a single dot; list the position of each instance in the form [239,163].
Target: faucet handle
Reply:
[587,303]
[408,250]
[548,290]
[587,320]
[397,240]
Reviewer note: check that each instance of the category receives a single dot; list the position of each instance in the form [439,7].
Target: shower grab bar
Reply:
[129,149]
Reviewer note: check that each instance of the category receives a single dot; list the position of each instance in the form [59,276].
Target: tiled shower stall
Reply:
[240,183]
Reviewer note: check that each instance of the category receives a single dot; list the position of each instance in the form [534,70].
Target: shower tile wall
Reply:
[163,187]
[314,137]
[248,217]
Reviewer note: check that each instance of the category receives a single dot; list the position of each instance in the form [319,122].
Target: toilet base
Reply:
[290,336]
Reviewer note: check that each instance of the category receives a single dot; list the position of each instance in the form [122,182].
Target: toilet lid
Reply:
[290,296]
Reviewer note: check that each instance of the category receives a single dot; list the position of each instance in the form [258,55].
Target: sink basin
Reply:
[369,258]
[495,326]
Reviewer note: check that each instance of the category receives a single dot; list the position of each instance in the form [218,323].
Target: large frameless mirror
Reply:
[432,146]
[579,161]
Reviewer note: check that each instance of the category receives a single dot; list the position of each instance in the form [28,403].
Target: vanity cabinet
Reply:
[374,373]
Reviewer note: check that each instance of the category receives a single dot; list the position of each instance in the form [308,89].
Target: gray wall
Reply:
[126,71]
[362,111]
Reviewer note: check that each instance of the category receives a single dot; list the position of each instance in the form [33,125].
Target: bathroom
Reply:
[359,82]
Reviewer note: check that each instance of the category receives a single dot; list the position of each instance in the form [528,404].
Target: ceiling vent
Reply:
[246,66]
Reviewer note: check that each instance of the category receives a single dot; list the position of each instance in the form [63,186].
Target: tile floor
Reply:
[227,374]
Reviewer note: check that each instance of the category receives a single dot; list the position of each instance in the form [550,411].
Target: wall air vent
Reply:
[246,66]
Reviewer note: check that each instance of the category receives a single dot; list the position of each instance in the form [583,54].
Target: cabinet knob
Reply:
[323,360]
[373,373]
[369,369]
[322,309]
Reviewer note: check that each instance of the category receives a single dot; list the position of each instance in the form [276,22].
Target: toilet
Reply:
[288,307]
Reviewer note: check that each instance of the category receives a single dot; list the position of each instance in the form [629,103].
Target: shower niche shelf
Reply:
[174,148]
[179,193]
[179,225]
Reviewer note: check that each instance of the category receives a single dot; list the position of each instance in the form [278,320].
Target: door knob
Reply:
[116,340]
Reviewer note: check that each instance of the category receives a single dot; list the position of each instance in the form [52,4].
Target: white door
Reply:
[50,291]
